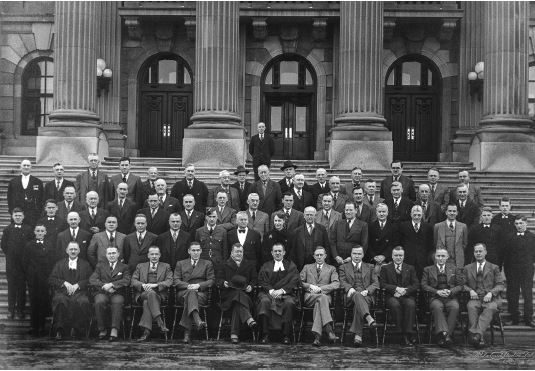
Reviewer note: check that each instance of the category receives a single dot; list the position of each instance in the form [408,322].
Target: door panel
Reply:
[179,114]
[153,110]
[397,115]
[425,114]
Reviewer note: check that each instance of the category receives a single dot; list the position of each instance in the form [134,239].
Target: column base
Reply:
[461,144]
[503,149]
[70,143]
[214,145]
[369,149]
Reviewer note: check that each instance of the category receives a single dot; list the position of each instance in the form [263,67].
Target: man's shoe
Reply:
[187,337]
[102,337]
[441,339]
[59,335]
[265,339]
[33,332]
[481,344]
[201,325]
[286,340]
[112,338]
[448,340]
[531,324]
[408,340]
[357,343]
[234,340]
[316,341]
[252,325]
[332,337]
[476,339]
[145,336]
[163,328]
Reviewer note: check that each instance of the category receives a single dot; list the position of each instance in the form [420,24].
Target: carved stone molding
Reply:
[289,36]
[260,30]
[190,24]
[134,29]
[319,29]
[448,26]
[389,25]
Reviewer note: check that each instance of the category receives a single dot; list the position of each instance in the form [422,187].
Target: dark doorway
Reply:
[288,106]
[166,90]
[412,108]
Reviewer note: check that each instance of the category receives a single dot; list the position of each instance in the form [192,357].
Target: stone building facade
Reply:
[354,83]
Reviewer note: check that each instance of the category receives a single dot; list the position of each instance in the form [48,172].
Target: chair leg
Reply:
[376,337]
[301,326]
[417,325]
[165,324]
[220,324]
[430,327]
[385,326]
[501,328]
[205,319]
[123,325]
[132,322]
[343,327]
[174,324]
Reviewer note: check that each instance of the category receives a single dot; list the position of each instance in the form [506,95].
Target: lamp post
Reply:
[475,79]
[103,76]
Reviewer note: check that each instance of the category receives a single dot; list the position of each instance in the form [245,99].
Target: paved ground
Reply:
[22,352]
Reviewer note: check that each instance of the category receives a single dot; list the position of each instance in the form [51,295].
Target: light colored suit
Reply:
[328,281]
[461,241]
[441,195]
[260,224]
[96,252]
[227,218]
[232,194]
[334,216]
[339,205]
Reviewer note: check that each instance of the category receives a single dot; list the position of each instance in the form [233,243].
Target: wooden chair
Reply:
[376,308]
[388,319]
[179,307]
[305,309]
[135,308]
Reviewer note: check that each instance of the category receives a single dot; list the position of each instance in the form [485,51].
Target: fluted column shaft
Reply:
[505,91]
[217,62]
[75,62]
[360,77]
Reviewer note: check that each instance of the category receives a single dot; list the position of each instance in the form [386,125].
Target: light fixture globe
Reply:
[99,72]
[107,73]
[480,66]
[480,75]
[101,63]
[472,76]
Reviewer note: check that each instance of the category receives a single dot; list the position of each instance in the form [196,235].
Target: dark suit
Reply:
[316,190]
[492,237]
[302,244]
[260,222]
[70,310]
[148,188]
[199,191]
[193,223]
[63,211]
[441,195]
[373,205]
[151,299]
[507,224]
[381,241]
[469,214]
[170,204]
[233,197]
[102,185]
[52,192]
[344,239]
[271,199]
[252,247]
[243,195]
[401,213]
[213,245]
[339,203]
[365,213]
[185,274]
[480,314]
[83,238]
[305,200]
[120,278]
[29,199]
[87,222]
[96,252]
[474,194]
[236,299]
[348,280]
[173,251]
[418,246]
[39,260]
[125,215]
[226,218]
[406,182]
[261,151]
[518,268]
[348,188]
[404,307]
[295,219]
[437,304]
[433,213]
[134,253]
[135,187]
[160,222]
[278,312]
[53,227]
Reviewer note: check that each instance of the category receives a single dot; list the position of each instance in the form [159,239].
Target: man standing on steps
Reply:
[148,185]
[190,185]
[439,193]
[26,191]
[397,176]
[54,188]
[135,186]
[262,148]
[474,192]
[93,179]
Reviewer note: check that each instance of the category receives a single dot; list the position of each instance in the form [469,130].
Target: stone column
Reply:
[74,129]
[505,140]
[216,136]
[360,137]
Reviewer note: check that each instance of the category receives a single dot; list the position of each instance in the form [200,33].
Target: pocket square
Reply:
[120,273]
[84,241]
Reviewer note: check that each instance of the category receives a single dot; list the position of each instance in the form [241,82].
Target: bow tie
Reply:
[39,242]
[50,218]
[520,234]
[17,226]
[486,226]
[241,230]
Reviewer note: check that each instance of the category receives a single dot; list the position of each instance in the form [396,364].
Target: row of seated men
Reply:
[376,223]
[73,280]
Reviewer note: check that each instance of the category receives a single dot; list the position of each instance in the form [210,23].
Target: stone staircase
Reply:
[518,187]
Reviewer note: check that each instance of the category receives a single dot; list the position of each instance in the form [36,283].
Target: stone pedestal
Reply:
[505,140]
[74,129]
[360,137]
[216,136]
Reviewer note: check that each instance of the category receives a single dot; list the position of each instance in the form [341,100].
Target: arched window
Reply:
[167,70]
[289,72]
[411,73]
[37,94]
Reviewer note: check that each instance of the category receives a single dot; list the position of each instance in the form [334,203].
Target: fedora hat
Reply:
[241,169]
[287,164]
[238,282]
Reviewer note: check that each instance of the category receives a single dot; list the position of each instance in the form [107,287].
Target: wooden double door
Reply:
[414,119]
[290,120]
[163,116]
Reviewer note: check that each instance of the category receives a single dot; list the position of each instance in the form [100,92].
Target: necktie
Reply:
[153,267]
[188,215]
[139,239]
[479,268]
[288,213]
[174,236]
[190,184]
[254,215]
[261,136]
[486,226]
[17,226]
[94,174]
[194,264]
[241,186]
[92,213]
[124,179]
[41,242]
[153,212]
[210,230]
[58,184]
[73,235]
[451,226]
[326,215]
[382,224]
[396,203]
[358,268]
[152,184]
[462,204]
[112,238]
[348,225]
[424,207]
[69,205]
[335,196]
[398,269]
[51,219]
[121,203]
[520,234]
[370,199]
[416,227]
[161,200]
[111,267]
[358,211]
[299,194]
[318,270]
[309,227]
[441,269]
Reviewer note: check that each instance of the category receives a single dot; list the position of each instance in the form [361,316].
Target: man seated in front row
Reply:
[400,282]
[236,278]
[319,279]
[484,282]
[192,277]
[70,305]
[276,302]
[151,281]
[111,280]
[443,283]
[359,281]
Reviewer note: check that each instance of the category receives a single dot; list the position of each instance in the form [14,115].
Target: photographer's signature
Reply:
[506,356]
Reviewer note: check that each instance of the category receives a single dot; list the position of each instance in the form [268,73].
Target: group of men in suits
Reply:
[133,216]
